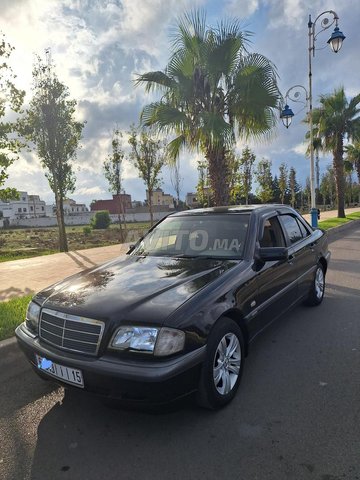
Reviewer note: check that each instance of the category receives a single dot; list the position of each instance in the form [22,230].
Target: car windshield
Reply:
[211,235]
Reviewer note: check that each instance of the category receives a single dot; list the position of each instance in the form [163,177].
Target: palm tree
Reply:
[353,156]
[212,91]
[335,120]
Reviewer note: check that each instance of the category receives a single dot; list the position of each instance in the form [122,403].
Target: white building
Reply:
[28,206]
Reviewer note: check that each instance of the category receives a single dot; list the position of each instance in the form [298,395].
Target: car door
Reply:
[276,280]
[301,247]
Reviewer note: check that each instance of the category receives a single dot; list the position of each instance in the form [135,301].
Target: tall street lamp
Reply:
[329,17]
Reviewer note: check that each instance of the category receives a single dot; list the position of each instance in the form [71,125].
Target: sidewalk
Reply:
[29,275]
[22,277]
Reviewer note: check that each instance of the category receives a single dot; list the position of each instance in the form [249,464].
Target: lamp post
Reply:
[335,42]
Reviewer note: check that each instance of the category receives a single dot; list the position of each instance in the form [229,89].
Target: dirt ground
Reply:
[29,242]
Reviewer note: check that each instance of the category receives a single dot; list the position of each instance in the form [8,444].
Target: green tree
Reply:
[203,194]
[148,157]
[50,125]
[247,161]
[353,156]
[11,100]
[101,220]
[234,177]
[276,198]
[265,180]
[212,91]
[327,186]
[113,174]
[293,186]
[283,181]
[337,119]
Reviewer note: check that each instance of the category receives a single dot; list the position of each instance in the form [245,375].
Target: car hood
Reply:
[133,288]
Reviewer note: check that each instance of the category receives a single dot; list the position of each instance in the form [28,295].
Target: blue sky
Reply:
[99,46]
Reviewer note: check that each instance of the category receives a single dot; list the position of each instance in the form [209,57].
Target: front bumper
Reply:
[135,380]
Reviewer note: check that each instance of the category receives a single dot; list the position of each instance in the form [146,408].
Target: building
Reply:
[191,200]
[73,208]
[118,204]
[27,206]
[158,197]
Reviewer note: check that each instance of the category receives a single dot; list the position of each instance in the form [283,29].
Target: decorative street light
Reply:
[335,42]
[287,114]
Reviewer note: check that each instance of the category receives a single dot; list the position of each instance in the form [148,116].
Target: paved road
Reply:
[296,416]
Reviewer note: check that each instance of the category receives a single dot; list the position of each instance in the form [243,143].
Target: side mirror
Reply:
[131,248]
[271,254]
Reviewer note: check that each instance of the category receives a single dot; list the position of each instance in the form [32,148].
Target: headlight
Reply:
[159,341]
[32,316]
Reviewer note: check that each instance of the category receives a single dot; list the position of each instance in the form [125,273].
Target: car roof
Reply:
[259,209]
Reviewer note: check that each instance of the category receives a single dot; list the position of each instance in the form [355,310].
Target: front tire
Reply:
[223,365]
[317,290]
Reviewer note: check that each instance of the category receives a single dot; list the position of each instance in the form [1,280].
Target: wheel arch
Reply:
[323,263]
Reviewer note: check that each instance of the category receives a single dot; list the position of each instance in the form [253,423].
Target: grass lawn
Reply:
[12,313]
[335,222]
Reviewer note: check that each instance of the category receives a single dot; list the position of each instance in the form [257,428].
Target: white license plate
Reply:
[67,374]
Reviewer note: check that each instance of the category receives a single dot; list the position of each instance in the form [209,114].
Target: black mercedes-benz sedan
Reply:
[177,313]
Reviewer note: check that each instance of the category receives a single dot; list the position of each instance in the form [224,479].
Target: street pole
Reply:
[335,42]
[313,211]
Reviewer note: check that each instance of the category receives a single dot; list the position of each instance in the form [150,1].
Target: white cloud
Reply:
[242,8]
[300,149]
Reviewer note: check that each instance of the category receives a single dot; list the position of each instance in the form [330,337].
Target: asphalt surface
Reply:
[296,415]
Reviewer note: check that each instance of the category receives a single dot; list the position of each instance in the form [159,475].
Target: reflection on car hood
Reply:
[134,288]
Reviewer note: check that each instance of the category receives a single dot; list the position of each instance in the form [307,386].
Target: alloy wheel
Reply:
[227,360]
[319,283]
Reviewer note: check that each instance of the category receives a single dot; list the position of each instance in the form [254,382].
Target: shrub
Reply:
[87,230]
[101,220]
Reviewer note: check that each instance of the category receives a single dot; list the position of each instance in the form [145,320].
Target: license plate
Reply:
[67,374]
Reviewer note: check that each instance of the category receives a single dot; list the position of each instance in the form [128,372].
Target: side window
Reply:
[304,231]
[292,228]
[272,234]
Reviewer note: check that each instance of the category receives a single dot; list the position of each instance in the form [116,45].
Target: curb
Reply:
[8,344]
[334,231]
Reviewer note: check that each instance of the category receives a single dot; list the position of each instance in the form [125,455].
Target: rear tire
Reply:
[223,365]
[317,290]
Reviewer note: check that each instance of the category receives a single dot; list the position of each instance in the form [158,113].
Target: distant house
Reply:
[191,200]
[73,208]
[158,197]
[118,204]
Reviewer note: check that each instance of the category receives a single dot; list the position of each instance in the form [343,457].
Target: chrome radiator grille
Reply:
[70,332]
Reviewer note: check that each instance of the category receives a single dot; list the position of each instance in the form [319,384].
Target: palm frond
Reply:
[190,31]
[175,146]
[155,81]
[163,117]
